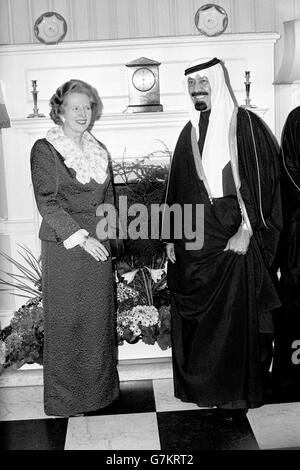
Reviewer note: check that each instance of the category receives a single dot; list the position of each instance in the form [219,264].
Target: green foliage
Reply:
[141,270]
[143,182]
[29,282]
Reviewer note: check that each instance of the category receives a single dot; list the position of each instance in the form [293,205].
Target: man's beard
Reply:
[200,106]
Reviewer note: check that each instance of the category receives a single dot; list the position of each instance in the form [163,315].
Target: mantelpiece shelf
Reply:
[119,120]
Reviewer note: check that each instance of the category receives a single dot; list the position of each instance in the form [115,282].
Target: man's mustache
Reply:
[199,93]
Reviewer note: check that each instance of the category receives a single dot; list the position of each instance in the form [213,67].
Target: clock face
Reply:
[143,79]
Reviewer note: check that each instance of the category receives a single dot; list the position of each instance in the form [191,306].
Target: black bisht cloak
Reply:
[221,300]
[286,367]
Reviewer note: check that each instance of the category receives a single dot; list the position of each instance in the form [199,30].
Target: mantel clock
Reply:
[143,84]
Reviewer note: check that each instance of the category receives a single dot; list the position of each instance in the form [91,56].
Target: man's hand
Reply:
[170,252]
[239,242]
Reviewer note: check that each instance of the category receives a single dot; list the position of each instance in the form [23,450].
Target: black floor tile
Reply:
[135,397]
[286,448]
[203,430]
[291,395]
[38,434]
[288,392]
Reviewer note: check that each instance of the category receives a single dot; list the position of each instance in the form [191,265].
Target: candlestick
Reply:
[34,93]
[247,86]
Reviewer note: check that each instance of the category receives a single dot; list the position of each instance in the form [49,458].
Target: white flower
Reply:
[146,313]
[136,331]
[156,274]
[128,277]
[125,292]
[136,318]
[120,331]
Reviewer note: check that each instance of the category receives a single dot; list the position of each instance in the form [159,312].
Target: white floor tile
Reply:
[113,432]
[19,403]
[276,426]
[164,397]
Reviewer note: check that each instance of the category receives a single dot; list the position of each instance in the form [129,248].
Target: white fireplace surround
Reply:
[102,64]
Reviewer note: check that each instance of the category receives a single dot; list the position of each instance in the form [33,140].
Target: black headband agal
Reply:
[198,67]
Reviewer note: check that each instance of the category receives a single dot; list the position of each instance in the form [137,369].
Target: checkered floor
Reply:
[146,416]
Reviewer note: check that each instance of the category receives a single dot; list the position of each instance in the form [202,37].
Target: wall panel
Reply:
[183,20]
[243,16]
[265,15]
[143,25]
[20,22]
[80,17]
[124,11]
[5,33]
[103,19]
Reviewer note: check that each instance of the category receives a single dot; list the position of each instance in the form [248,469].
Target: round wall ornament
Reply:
[211,19]
[50,28]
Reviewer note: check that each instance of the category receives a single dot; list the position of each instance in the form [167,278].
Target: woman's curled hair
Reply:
[74,86]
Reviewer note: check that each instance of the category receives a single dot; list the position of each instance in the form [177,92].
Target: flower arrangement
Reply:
[142,296]
[22,341]
[142,320]
[137,320]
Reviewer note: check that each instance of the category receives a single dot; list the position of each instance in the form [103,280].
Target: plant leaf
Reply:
[31,273]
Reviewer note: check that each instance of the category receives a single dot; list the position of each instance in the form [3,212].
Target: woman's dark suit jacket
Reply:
[65,204]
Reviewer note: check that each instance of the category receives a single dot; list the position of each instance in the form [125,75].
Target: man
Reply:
[286,367]
[222,294]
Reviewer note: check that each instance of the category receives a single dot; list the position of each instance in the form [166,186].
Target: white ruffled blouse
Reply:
[90,162]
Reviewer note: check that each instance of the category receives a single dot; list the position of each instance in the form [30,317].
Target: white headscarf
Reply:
[216,152]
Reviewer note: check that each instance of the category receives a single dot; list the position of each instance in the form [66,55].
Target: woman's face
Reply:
[77,114]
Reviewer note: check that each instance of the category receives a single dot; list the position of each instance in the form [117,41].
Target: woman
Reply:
[71,179]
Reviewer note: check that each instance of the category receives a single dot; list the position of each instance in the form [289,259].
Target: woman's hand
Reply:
[239,242]
[95,248]
[171,252]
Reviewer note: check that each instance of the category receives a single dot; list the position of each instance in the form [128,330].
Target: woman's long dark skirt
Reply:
[80,349]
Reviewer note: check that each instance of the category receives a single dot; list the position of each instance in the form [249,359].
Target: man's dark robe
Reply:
[221,300]
[286,372]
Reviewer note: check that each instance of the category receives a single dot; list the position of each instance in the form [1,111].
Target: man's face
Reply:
[200,92]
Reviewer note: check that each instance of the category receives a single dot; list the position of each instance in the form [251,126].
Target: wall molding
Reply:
[117,121]
[110,121]
[121,44]
[12,226]
[129,369]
